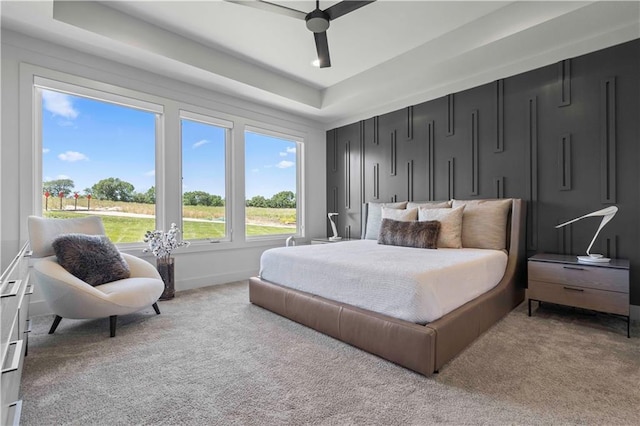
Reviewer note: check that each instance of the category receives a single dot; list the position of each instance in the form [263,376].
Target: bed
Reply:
[411,339]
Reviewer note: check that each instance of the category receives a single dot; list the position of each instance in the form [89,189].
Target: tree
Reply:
[217,201]
[113,189]
[148,197]
[57,186]
[198,198]
[257,201]
[283,200]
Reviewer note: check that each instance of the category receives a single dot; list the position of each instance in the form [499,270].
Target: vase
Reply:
[166,269]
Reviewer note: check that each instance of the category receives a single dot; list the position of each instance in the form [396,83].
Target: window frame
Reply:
[129,99]
[213,120]
[300,196]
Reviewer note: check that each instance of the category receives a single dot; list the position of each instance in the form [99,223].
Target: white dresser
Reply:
[15,292]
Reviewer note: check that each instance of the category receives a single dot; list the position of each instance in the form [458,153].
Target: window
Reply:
[271,184]
[204,186]
[98,158]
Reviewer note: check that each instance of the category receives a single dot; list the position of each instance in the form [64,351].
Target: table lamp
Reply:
[607,214]
[333,228]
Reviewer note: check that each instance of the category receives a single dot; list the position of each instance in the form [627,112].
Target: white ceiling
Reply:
[386,55]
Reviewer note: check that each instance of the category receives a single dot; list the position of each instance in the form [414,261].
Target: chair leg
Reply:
[56,321]
[155,308]
[112,324]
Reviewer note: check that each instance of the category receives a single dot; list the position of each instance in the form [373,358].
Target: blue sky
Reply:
[87,140]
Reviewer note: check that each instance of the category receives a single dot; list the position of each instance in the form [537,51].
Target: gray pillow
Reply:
[374,217]
[409,234]
[92,258]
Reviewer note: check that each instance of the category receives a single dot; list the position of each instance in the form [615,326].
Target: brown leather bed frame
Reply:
[421,348]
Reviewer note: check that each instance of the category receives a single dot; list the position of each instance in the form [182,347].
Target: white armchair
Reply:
[69,296]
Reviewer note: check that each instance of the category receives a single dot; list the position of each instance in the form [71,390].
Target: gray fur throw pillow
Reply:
[92,258]
[409,234]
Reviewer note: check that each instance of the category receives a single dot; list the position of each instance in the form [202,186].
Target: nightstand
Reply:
[563,280]
[321,240]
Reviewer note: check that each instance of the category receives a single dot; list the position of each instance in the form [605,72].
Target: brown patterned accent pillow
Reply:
[409,234]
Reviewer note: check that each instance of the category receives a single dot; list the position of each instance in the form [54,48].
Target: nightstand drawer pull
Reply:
[573,268]
[573,289]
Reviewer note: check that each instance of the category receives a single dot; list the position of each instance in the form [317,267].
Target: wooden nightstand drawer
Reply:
[581,297]
[563,279]
[580,276]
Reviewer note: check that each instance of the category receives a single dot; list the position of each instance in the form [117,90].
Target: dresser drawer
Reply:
[580,276]
[580,297]
[10,383]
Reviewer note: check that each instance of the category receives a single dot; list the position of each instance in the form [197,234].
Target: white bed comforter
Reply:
[411,284]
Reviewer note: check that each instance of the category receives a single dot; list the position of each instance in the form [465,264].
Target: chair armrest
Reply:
[70,297]
[140,268]
[49,270]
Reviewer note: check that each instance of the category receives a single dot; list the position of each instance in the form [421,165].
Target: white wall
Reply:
[196,266]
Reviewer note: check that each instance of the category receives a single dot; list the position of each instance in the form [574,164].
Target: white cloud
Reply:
[45,150]
[284,164]
[200,143]
[72,156]
[150,173]
[255,170]
[63,177]
[288,151]
[59,104]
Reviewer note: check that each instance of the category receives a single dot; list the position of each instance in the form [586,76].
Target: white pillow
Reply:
[401,215]
[374,217]
[450,235]
[484,223]
[43,231]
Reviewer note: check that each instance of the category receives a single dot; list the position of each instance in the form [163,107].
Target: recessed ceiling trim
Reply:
[108,22]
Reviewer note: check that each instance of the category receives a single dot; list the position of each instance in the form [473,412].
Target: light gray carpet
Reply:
[213,358]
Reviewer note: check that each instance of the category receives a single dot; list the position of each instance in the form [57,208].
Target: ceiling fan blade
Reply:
[271,7]
[322,47]
[344,7]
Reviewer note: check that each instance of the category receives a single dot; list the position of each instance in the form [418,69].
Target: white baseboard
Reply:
[39,307]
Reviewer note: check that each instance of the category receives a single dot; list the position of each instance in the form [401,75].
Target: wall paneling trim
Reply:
[565,137]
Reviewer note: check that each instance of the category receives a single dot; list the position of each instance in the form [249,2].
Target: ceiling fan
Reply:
[317,20]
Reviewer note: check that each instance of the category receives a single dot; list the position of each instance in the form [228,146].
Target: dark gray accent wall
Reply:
[564,137]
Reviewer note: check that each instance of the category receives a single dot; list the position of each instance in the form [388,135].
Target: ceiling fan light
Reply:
[317,21]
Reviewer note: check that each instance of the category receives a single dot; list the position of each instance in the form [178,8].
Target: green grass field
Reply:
[127,229]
